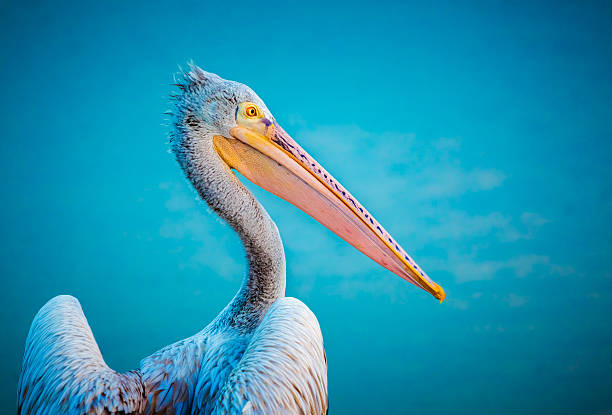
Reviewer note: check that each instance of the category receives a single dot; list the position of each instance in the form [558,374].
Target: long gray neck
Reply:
[227,196]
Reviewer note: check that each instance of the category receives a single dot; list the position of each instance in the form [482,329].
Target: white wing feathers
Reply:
[284,368]
[63,370]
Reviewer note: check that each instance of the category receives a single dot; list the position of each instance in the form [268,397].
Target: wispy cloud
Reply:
[191,220]
[514,300]
[399,162]
[460,225]
[445,181]
[469,268]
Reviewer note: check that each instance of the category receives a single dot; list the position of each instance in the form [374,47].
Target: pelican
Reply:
[263,354]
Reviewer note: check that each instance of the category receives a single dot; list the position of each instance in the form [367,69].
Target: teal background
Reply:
[478,134]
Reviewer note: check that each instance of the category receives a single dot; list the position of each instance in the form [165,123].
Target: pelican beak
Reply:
[271,159]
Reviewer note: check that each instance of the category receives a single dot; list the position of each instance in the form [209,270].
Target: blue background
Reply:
[479,135]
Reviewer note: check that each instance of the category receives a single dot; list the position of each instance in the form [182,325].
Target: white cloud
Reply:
[191,220]
[447,144]
[467,268]
[458,304]
[432,172]
[533,220]
[460,225]
[514,300]
[444,181]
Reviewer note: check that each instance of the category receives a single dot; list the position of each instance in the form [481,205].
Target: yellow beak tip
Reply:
[439,293]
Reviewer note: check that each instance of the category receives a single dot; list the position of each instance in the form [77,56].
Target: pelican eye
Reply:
[251,111]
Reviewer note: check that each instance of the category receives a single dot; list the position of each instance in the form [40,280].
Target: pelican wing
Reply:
[283,369]
[63,370]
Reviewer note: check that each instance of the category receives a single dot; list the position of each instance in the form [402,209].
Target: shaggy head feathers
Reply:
[207,104]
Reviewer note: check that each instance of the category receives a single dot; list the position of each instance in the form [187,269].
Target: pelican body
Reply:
[263,354]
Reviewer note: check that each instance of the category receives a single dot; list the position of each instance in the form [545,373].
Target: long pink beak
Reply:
[275,162]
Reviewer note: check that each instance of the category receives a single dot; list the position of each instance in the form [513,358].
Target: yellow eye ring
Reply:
[251,111]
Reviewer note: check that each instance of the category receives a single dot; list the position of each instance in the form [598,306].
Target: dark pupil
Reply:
[251,111]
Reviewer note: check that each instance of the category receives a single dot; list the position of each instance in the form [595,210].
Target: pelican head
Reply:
[228,120]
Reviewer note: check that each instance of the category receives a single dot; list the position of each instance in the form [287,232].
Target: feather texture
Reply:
[63,370]
[279,368]
[170,374]
[283,369]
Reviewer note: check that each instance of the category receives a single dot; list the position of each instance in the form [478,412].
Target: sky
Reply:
[479,134]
